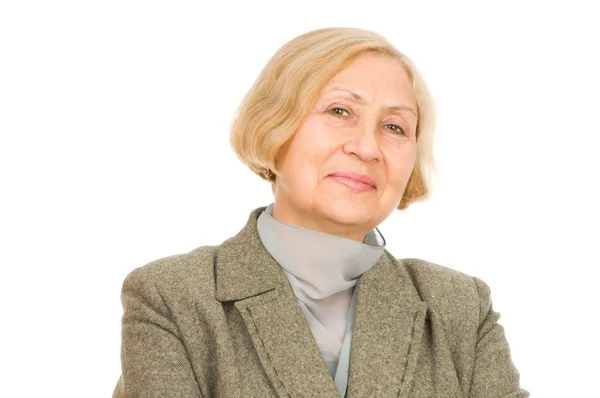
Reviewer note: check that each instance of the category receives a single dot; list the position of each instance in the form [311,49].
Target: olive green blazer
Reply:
[223,321]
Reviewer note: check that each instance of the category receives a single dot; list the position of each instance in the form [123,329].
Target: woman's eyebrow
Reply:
[358,98]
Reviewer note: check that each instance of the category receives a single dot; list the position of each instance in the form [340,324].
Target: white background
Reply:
[114,152]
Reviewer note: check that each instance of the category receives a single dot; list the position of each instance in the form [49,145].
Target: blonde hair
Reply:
[292,80]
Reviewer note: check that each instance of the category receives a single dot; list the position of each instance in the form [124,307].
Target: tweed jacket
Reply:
[223,321]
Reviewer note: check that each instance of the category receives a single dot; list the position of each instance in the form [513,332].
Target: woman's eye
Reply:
[339,111]
[343,112]
[396,128]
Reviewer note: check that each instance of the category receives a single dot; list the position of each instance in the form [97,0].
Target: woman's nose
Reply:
[364,143]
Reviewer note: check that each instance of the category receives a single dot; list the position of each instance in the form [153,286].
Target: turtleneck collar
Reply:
[327,264]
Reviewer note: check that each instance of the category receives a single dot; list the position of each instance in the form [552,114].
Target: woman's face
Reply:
[346,168]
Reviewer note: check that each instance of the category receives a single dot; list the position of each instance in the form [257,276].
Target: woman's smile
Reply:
[354,181]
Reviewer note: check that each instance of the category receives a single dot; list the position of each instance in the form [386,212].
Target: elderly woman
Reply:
[305,301]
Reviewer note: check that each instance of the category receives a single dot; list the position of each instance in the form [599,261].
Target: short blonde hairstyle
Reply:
[290,83]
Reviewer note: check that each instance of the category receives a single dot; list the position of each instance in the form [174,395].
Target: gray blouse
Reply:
[323,270]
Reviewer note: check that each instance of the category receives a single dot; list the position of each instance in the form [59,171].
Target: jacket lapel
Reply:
[387,331]
[285,346]
[249,276]
[386,337]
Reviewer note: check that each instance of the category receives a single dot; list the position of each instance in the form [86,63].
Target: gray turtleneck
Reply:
[323,270]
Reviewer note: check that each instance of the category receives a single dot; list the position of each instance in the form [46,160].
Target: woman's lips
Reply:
[354,181]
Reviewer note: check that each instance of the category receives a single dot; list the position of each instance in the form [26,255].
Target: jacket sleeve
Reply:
[494,374]
[154,361]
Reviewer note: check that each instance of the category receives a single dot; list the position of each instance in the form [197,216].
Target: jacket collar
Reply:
[244,268]
[389,321]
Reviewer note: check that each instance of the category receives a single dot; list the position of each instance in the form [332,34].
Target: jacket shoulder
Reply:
[454,295]
[180,273]
[430,277]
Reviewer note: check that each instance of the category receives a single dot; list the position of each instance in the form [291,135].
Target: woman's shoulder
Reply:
[446,289]
[430,273]
[175,273]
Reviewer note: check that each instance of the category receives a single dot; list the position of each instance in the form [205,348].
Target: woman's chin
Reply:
[350,213]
